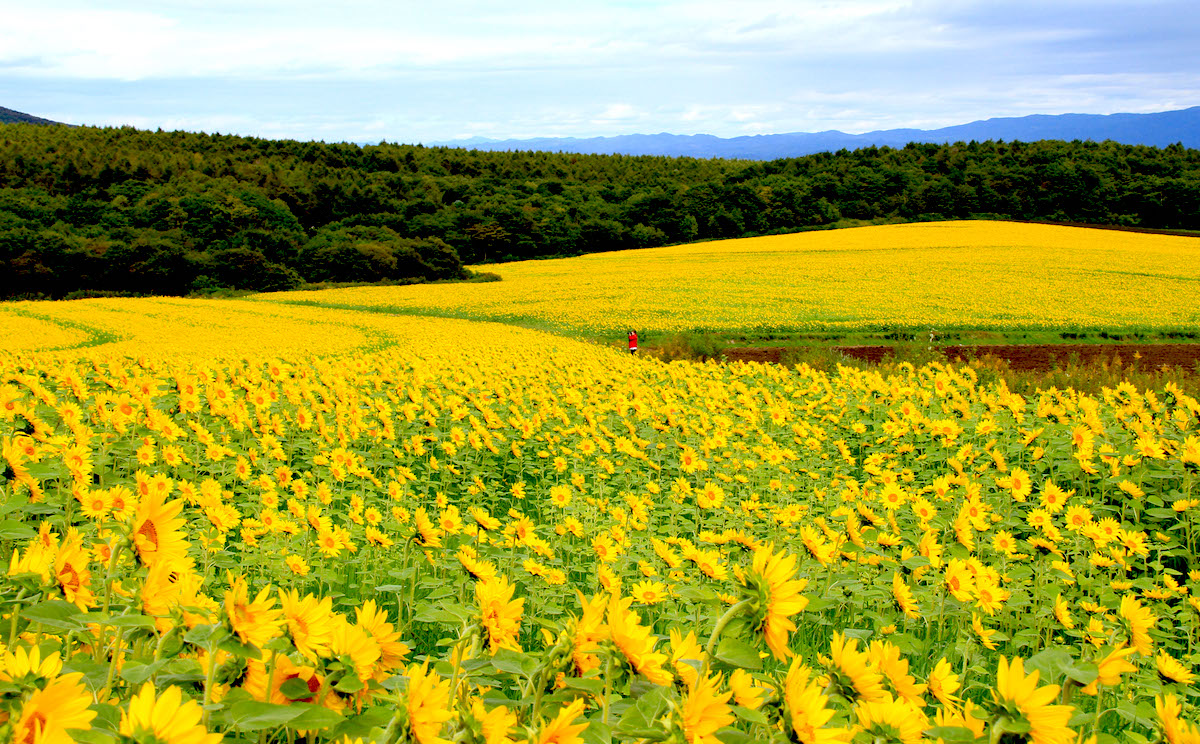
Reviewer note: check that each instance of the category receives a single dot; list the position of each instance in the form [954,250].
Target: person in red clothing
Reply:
[633,342]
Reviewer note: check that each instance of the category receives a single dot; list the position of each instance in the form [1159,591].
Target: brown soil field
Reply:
[1038,357]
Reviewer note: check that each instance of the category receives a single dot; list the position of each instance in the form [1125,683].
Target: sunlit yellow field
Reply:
[988,275]
[210,330]
[248,520]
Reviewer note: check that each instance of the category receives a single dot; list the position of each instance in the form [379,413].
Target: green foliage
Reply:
[123,210]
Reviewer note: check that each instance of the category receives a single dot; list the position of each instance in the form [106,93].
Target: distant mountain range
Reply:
[1158,130]
[8,116]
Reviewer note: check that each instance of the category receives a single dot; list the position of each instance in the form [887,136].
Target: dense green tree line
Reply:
[171,212]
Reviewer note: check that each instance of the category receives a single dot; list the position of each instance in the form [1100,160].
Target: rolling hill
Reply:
[8,116]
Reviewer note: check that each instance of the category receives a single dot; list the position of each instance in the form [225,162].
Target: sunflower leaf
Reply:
[295,689]
[511,662]
[951,734]
[11,529]
[54,614]
[136,673]
[751,715]
[733,736]
[644,715]
[314,718]
[251,715]
[738,654]
[350,683]
[596,733]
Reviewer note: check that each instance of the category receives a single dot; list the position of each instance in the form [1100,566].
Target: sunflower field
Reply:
[249,521]
[960,274]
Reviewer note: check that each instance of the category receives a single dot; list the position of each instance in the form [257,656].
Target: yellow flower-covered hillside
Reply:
[257,521]
[934,275]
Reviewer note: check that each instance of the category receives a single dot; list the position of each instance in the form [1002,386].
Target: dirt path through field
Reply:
[1019,356]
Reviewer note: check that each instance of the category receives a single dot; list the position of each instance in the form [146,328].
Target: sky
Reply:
[412,72]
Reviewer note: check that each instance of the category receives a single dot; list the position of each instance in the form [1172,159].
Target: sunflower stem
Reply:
[210,676]
[108,574]
[608,672]
[998,730]
[12,628]
[724,620]
[112,664]
[271,677]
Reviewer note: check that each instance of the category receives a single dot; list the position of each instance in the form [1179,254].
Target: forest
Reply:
[87,211]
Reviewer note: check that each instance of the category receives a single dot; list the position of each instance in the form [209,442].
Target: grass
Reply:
[707,339]
[821,351]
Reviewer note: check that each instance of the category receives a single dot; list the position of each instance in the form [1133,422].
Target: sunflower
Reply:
[48,713]
[427,703]
[704,710]
[1053,497]
[1020,484]
[483,519]
[296,565]
[165,718]
[894,667]
[562,729]
[1171,669]
[254,622]
[775,595]
[430,535]
[985,634]
[161,593]
[1174,730]
[961,718]
[805,705]
[746,692]
[479,568]
[586,631]
[1078,517]
[634,641]
[1003,542]
[257,673]
[943,683]
[609,580]
[14,452]
[1062,612]
[155,529]
[27,666]
[904,598]
[392,652]
[604,548]
[959,580]
[450,521]
[96,504]
[560,496]
[71,571]
[1138,621]
[1110,669]
[687,657]
[1020,699]
[499,613]
[494,724]
[309,622]
[891,720]
[852,671]
[649,592]
[989,595]
[328,544]
[356,644]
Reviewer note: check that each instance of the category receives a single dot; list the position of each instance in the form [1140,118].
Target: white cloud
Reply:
[529,68]
[617,112]
[134,44]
